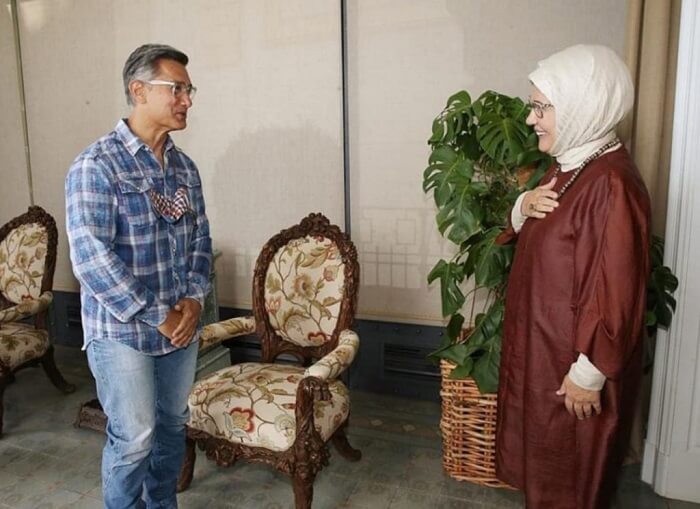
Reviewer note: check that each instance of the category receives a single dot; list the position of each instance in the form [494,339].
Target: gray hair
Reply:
[142,64]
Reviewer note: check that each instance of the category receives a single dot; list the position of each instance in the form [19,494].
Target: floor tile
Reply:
[46,462]
[414,499]
[51,499]
[84,503]
[369,494]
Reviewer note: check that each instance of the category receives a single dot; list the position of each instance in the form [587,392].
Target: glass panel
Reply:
[265,128]
[405,60]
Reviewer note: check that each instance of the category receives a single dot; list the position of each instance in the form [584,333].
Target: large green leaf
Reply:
[660,287]
[485,371]
[449,176]
[489,260]
[502,131]
[457,353]
[451,276]
[488,326]
[454,119]
[463,370]
[454,327]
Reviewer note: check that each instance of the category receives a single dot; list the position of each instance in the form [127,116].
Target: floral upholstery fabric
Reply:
[22,258]
[253,404]
[219,331]
[21,342]
[303,290]
[26,308]
[336,361]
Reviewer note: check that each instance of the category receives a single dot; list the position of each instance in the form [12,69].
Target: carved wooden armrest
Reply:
[336,361]
[309,447]
[26,308]
[217,332]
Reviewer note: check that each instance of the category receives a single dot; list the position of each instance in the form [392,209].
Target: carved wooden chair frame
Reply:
[309,453]
[35,215]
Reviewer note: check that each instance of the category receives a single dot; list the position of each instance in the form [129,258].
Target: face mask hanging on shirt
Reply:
[171,209]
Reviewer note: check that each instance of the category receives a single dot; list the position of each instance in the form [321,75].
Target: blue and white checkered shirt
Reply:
[132,264]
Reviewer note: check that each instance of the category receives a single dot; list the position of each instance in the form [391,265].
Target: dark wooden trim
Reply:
[315,224]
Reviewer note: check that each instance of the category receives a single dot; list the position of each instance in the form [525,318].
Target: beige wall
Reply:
[266,127]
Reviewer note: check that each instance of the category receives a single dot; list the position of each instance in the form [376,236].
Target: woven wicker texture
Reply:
[468,426]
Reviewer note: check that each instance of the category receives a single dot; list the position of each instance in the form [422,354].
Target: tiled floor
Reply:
[46,463]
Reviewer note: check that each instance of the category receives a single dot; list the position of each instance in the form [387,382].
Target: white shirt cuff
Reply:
[584,374]
[517,219]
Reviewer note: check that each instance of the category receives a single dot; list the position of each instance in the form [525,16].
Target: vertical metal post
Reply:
[344,101]
[22,99]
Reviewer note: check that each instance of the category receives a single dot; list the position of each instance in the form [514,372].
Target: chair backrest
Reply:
[305,289]
[27,255]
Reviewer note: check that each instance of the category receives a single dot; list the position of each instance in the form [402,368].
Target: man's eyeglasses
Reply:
[539,108]
[177,88]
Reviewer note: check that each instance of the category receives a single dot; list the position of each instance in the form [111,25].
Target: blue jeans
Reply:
[145,400]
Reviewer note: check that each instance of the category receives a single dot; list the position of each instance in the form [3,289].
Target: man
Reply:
[140,248]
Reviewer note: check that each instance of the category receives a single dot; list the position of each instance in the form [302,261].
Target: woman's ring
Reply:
[531,206]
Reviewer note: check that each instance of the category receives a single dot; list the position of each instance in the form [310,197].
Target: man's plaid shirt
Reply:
[133,265]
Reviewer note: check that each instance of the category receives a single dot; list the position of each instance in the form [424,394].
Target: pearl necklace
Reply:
[578,170]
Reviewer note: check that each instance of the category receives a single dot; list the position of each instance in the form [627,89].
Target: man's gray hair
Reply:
[142,64]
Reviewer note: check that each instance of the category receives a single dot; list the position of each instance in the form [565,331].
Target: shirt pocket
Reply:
[189,181]
[135,209]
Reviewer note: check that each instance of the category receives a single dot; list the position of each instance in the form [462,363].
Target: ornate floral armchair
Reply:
[304,298]
[27,262]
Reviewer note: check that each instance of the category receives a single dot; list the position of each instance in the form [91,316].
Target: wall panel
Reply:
[265,125]
[405,60]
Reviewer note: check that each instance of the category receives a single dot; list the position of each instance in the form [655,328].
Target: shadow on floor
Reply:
[47,463]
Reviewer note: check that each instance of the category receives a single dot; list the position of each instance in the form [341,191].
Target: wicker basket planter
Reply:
[468,426]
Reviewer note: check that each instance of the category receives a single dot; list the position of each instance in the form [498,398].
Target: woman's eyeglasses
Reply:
[539,108]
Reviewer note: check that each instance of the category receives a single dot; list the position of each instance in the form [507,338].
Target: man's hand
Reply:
[579,401]
[190,311]
[167,328]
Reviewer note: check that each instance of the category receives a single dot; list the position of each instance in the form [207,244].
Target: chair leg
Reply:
[303,483]
[6,378]
[2,404]
[187,470]
[340,441]
[49,365]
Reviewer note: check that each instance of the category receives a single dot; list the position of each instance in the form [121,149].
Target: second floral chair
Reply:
[304,299]
[27,263]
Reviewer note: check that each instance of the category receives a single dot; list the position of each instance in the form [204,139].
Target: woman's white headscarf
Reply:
[591,90]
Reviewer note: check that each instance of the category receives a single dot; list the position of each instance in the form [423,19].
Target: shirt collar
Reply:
[132,142]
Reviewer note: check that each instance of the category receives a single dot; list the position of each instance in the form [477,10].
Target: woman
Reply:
[572,341]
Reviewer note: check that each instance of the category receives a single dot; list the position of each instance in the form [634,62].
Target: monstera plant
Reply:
[483,155]
[660,302]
